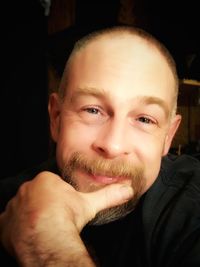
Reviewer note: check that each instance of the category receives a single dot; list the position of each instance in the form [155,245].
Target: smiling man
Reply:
[126,202]
[117,115]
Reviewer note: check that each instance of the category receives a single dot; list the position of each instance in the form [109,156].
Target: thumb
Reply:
[110,196]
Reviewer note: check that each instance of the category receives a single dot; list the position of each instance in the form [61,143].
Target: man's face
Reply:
[114,124]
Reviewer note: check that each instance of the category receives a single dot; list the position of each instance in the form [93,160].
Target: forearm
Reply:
[70,252]
[70,259]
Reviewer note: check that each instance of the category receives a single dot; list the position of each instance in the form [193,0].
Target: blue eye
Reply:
[92,110]
[92,115]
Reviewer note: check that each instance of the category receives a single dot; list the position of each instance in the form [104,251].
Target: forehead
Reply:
[122,63]
[124,46]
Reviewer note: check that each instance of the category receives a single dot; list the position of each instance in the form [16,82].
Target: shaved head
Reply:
[116,33]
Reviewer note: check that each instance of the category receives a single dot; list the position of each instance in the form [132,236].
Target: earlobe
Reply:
[54,108]
[171,133]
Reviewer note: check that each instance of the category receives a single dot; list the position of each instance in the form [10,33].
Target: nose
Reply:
[113,140]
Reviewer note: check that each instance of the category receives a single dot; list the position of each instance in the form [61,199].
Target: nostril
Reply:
[101,150]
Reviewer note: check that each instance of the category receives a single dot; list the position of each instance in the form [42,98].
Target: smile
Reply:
[102,179]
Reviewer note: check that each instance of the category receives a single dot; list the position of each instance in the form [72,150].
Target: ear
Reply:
[54,108]
[171,133]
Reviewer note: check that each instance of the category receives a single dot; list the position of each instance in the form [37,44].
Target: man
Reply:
[125,203]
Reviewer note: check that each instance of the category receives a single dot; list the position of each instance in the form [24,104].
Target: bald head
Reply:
[113,39]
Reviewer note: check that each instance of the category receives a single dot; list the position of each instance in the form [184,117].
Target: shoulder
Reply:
[176,170]
[179,175]
[178,183]
[171,210]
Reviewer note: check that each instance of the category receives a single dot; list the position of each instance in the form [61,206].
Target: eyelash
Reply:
[92,109]
[146,120]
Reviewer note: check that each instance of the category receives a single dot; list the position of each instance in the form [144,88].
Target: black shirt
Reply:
[163,230]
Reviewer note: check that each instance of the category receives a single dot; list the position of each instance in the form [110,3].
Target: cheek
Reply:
[149,146]
[149,151]
[73,137]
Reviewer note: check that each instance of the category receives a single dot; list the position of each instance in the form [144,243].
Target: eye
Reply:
[92,110]
[146,120]
[93,115]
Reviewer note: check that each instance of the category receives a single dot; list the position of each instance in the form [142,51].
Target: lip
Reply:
[102,179]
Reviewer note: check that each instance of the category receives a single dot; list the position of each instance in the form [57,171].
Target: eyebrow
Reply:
[101,93]
[153,100]
[92,91]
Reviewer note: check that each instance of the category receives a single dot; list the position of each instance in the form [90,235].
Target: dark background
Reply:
[24,132]
[27,48]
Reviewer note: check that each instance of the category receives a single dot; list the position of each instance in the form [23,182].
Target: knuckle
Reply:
[23,189]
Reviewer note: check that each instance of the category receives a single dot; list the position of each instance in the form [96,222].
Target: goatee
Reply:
[111,168]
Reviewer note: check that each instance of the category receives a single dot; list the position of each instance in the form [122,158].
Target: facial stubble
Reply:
[110,168]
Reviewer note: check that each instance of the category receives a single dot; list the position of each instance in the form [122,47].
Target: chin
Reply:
[114,213]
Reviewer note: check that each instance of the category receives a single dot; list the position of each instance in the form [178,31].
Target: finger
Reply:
[110,196]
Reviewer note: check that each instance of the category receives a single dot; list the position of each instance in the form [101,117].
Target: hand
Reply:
[41,224]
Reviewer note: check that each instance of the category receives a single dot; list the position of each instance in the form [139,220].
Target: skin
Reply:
[117,109]
[113,101]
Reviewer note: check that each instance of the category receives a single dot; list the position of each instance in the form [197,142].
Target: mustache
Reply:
[101,166]
[107,167]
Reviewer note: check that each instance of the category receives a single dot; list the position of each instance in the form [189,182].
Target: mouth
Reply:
[103,179]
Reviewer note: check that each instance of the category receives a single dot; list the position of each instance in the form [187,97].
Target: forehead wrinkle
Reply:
[88,91]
